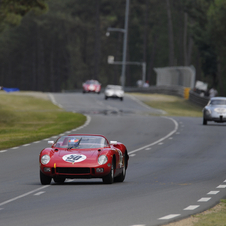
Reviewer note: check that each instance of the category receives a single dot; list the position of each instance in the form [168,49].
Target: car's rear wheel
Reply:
[59,180]
[121,98]
[109,179]
[44,179]
[204,121]
[122,176]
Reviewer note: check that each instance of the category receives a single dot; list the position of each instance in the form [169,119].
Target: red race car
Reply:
[91,86]
[83,156]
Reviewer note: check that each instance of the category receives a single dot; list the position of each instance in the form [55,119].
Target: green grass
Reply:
[24,119]
[213,217]
[172,105]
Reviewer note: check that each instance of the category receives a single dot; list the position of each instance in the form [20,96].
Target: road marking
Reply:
[21,196]
[14,148]
[225,181]
[160,143]
[3,151]
[138,225]
[192,207]
[148,149]
[204,199]
[25,145]
[213,192]
[160,140]
[221,186]
[132,155]
[39,193]
[170,216]
[36,142]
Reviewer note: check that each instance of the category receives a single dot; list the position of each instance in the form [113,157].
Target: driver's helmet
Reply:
[72,142]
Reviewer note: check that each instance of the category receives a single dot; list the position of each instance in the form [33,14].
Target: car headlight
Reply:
[45,159]
[207,112]
[102,159]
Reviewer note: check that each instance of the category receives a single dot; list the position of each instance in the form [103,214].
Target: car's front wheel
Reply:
[109,179]
[44,179]
[204,121]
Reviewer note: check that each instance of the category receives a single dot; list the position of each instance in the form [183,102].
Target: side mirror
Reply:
[113,142]
[50,142]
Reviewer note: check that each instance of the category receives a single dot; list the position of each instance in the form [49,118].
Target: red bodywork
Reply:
[83,163]
[91,86]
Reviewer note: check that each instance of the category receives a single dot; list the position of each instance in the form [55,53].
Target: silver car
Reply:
[114,91]
[215,110]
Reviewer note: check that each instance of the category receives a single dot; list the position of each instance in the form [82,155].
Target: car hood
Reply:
[76,156]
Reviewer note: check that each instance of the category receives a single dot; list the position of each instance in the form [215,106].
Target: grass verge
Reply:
[24,119]
[172,105]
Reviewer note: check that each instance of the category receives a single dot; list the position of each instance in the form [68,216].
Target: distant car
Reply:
[83,156]
[91,86]
[215,110]
[114,91]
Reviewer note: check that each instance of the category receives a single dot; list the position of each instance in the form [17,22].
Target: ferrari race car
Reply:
[91,86]
[83,156]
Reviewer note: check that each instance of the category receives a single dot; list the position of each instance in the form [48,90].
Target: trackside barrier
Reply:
[197,99]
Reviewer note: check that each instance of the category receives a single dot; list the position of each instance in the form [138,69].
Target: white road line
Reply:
[221,186]
[213,192]
[170,216]
[36,142]
[39,193]
[148,149]
[160,143]
[192,207]
[160,140]
[14,148]
[205,199]
[3,151]
[225,181]
[132,155]
[21,196]
[25,145]
[138,225]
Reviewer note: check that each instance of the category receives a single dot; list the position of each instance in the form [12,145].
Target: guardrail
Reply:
[197,99]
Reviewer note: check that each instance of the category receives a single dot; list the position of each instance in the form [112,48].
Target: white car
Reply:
[215,110]
[114,91]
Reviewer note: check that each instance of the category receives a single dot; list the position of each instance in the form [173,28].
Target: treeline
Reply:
[61,48]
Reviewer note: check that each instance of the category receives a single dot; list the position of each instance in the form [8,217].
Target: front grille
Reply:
[72,170]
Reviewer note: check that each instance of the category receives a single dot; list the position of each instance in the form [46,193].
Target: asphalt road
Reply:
[176,169]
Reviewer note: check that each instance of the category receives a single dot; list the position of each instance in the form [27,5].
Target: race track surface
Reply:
[176,169]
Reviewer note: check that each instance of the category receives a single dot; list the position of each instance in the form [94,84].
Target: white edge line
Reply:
[21,196]
[160,140]
[170,216]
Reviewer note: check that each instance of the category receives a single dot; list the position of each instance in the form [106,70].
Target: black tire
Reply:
[109,179]
[122,176]
[204,121]
[59,180]
[121,98]
[44,179]
[106,97]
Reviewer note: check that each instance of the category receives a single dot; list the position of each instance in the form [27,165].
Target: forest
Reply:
[55,45]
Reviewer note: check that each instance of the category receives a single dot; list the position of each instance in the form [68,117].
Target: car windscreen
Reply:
[81,142]
[218,102]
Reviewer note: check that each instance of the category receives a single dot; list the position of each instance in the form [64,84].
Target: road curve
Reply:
[176,169]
